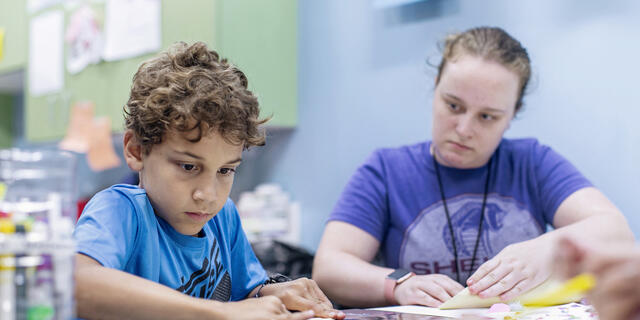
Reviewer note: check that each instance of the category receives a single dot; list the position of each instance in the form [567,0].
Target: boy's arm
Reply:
[104,293]
[109,293]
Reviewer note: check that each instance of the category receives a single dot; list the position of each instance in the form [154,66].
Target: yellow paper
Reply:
[1,42]
[574,287]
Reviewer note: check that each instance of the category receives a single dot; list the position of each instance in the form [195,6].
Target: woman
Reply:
[469,207]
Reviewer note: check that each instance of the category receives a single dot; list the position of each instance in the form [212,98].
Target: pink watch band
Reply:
[389,287]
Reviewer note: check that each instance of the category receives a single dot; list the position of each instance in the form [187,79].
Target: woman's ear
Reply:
[132,151]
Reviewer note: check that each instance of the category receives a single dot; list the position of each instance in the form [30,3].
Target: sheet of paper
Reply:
[84,40]
[454,313]
[37,5]
[132,28]
[573,311]
[464,299]
[46,50]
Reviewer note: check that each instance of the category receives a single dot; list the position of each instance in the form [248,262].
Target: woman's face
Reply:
[473,104]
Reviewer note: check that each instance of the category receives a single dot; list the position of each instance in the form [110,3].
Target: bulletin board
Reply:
[258,36]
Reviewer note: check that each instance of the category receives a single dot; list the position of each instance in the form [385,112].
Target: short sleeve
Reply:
[557,179]
[247,272]
[364,201]
[107,229]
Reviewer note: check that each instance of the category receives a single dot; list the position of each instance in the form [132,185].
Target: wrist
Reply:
[393,280]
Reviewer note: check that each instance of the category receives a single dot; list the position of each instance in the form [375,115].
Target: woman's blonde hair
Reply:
[493,44]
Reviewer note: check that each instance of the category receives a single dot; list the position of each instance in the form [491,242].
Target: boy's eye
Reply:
[454,107]
[188,167]
[226,171]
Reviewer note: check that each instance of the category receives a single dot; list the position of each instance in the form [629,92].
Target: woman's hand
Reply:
[303,294]
[427,290]
[266,308]
[515,270]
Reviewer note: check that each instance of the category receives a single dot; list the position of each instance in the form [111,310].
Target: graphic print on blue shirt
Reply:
[202,283]
[427,246]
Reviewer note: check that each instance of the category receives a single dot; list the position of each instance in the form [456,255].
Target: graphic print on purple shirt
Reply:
[427,246]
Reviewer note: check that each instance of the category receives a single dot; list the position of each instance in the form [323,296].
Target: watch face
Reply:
[398,274]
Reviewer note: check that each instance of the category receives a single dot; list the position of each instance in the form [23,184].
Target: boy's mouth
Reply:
[199,216]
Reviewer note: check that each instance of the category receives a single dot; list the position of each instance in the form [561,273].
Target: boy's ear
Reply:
[132,151]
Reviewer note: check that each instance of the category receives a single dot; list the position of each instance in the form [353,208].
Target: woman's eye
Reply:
[188,167]
[226,171]
[487,117]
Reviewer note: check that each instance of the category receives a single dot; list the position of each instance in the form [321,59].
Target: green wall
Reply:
[258,36]
[13,18]
[6,117]
[261,38]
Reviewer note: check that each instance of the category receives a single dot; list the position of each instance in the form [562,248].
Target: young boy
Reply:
[173,247]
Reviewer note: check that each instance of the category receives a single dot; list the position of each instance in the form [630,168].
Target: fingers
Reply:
[422,298]
[520,288]
[427,290]
[301,315]
[452,287]
[492,278]
[484,269]
[328,307]
[304,294]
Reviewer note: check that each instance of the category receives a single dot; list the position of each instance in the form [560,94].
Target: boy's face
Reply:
[187,183]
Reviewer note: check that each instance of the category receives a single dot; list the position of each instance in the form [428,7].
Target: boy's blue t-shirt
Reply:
[395,197]
[118,228]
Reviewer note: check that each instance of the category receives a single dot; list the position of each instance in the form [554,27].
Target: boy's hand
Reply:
[303,294]
[265,308]
[427,290]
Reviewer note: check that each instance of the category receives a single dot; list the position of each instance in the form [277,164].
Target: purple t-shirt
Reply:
[395,197]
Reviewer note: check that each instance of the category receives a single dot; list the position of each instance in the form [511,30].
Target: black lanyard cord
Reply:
[446,210]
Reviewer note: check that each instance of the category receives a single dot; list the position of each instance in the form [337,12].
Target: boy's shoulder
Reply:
[119,195]
[122,190]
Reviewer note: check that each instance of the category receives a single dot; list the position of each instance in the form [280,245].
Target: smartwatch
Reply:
[392,280]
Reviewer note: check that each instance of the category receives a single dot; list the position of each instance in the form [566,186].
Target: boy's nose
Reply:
[206,194]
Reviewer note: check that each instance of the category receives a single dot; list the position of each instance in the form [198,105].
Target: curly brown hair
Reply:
[189,87]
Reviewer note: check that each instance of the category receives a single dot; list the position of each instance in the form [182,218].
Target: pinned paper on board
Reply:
[46,74]
[132,28]
[80,128]
[84,39]
[1,43]
[102,155]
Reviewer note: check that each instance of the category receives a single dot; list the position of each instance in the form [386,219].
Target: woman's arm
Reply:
[343,270]
[342,266]
[585,214]
[104,293]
